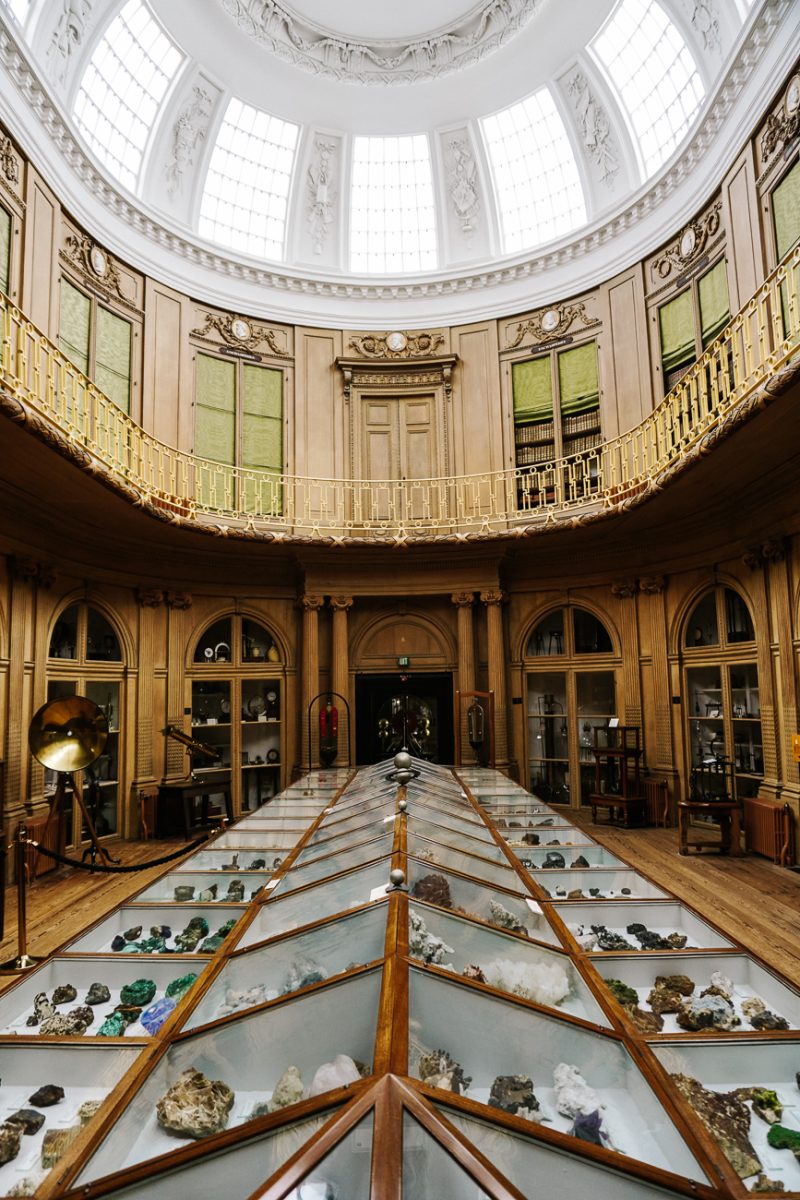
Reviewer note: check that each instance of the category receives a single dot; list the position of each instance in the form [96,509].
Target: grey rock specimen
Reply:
[132,934]
[727,1119]
[98,994]
[768,1020]
[235,892]
[30,1120]
[65,994]
[288,1090]
[554,860]
[439,1070]
[10,1138]
[195,1106]
[304,971]
[423,944]
[71,1024]
[47,1095]
[504,919]
[580,861]
[514,1094]
[183,892]
[608,940]
[707,1012]
[42,1009]
[209,893]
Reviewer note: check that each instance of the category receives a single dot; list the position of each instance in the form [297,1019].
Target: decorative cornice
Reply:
[690,243]
[551,324]
[397,345]
[782,127]
[96,266]
[241,333]
[391,373]
[293,38]
[14,60]
[624,589]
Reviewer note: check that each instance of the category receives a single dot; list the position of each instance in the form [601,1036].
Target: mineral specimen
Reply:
[575,894]
[288,1090]
[256,864]
[542,982]
[244,998]
[707,1012]
[608,940]
[131,935]
[504,919]
[530,839]
[42,1009]
[721,982]
[580,861]
[87,1110]
[10,1138]
[161,931]
[118,943]
[56,1141]
[645,1022]
[98,994]
[439,1070]
[553,860]
[781,1138]
[573,1093]
[154,1017]
[433,888]
[474,972]
[130,1013]
[195,1106]
[233,865]
[140,992]
[65,994]
[425,945]
[178,988]
[29,1119]
[213,943]
[47,1095]
[768,1020]
[764,1184]
[649,940]
[765,1104]
[209,893]
[304,972]
[752,1006]
[113,1026]
[514,1094]
[235,892]
[622,993]
[339,1073]
[668,994]
[189,937]
[184,892]
[71,1024]
[624,891]
[727,1119]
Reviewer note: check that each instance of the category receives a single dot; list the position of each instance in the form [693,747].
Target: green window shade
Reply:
[262,417]
[73,325]
[577,380]
[5,249]
[715,310]
[676,322]
[786,211]
[113,358]
[532,386]
[215,409]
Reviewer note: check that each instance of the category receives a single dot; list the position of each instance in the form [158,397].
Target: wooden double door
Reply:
[401,441]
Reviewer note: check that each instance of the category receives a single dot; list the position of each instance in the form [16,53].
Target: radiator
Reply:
[656,800]
[40,863]
[769,827]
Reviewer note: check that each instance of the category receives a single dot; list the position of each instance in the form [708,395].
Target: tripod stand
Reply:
[57,811]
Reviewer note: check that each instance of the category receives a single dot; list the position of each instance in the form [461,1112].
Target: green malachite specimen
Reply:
[180,986]
[140,992]
[113,1026]
[623,993]
[781,1138]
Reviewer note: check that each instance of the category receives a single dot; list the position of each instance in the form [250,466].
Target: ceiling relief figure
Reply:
[68,35]
[595,127]
[387,61]
[187,134]
[462,183]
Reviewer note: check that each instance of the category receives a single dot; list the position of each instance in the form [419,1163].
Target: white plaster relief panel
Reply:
[465,199]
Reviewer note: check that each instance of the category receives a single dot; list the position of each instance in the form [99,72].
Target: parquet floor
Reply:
[750,898]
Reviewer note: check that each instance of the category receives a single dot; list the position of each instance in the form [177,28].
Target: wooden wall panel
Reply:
[317,444]
[476,419]
[167,368]
[40,271]
[626,395]
[746,266]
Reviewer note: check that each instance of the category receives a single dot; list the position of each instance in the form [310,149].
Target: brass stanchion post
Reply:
[23,961]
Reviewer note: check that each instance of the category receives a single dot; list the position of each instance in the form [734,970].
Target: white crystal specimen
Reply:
[339,1073]
[425,945]
[573,1094]
[542,982]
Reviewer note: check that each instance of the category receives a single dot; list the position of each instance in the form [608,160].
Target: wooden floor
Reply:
[750,898]
[62,903]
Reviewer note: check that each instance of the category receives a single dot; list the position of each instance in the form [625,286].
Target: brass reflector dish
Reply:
[69,734]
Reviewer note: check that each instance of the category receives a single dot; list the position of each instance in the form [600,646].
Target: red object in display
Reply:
[329,721]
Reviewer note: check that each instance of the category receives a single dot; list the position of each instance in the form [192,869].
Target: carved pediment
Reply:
[242,333]
[550,325]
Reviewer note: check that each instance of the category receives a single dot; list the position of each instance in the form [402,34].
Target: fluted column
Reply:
[309,684]
[340,671]
[496,656]
[464,602]
[23,577]
[176,761]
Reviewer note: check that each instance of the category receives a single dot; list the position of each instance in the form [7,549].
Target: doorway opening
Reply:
[411,710]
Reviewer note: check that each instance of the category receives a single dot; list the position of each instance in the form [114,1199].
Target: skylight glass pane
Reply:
[247,185]
[122,87]
[392,215]
[653,70]
[539,193]
[19,8]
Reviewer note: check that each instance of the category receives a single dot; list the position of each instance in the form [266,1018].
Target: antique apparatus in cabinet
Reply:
[618,779]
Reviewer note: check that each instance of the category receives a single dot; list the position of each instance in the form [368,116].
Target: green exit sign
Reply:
[404,661]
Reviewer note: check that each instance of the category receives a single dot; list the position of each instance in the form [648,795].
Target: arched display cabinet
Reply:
[85,657]
[723,707]
[236,699]
[571,668]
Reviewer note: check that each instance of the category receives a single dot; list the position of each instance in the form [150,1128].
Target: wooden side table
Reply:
[729,815]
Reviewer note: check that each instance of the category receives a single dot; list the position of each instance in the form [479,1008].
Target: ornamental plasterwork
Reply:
[188,131]
[462,183]
[784,125]
[551,324]
[291,37]
[595,127]
[397,345]
[320,193]
[704,15]
[68,35]
[690,244]
[385,374]
[243,334]
[9,168]
[96,266]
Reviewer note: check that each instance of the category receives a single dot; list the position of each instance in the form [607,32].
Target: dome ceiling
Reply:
[490,139]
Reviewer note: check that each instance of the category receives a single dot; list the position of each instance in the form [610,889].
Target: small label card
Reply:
[533,906]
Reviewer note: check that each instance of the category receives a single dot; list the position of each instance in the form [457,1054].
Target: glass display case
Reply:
[186,887]
[502,874]
[301,908]
[664,920]
[600,883]
[333,864]
[146,930]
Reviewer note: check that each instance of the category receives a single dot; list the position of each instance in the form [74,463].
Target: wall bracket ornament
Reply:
[96,266]
[242,334]
[691,243]
[295,39]
[551,324]
[783,126]
[397,345]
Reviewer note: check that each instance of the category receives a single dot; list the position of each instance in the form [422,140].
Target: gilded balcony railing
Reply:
[760,340]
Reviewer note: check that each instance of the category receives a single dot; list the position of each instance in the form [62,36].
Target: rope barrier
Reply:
[95,866]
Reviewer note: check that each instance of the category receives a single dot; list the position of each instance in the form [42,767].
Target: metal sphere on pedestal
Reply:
[402,805]
[397,878]
[402,761]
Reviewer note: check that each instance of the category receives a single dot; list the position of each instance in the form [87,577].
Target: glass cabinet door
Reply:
[596,703]
[725,721]
[548,743]
[211,722]
[101,780]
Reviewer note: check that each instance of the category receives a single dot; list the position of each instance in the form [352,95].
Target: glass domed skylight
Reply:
[392,214]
